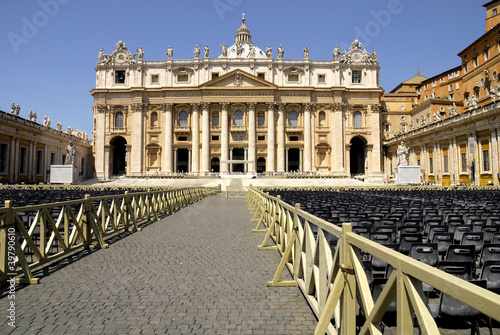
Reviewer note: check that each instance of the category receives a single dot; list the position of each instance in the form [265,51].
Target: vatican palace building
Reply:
[238,109]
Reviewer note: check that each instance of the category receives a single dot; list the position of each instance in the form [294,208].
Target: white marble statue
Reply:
[223,50]
[12,108]
[306,52]
[70,154]
[402,155]
[59,126]
[269,52]
[281,52]
[207,52]
[196,52]
[170,53]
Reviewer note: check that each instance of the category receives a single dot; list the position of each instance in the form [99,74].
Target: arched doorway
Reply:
[119,155]
[261,165]
[215,164]
[357,156]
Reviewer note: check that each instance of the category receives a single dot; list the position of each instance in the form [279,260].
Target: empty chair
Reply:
[380,265]
[454,308]
[367,265]
[426,253]
[495,238]
[407,240]
[461,253]
[475,239]
[461,270]
[488,232]
[435,229]
[392,230]
[478,224]
[459,232]
[362,230]
[490,252]
[377,288]
[491,273]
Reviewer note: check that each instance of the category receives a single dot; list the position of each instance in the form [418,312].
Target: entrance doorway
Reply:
[119,156]
[238,154]
[293,160]
[182,160]
[357,156]
[261,165]
[215,164]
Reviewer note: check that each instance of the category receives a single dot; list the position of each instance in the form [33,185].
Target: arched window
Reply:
[154,120]
[261,119]
[215,119]
[357,120]
[292,118]
[322,119]
[183,119]
[119,120]
[238,118]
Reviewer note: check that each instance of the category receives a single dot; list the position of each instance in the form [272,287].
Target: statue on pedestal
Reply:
[402,154]
[207,51]
[281,52]
[269,52]
[170,52]
[223,51]
[336,53]
[12,108]
[196,52]
[70,154]
[306,52]
[140,52]
[18,109]
[59,126]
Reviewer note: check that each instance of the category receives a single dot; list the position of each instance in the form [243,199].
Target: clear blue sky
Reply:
[49,47]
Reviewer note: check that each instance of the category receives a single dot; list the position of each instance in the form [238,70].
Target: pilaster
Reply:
[195,138]
[224,138]
[281,137]
[307,138]
[168,156]
[205,145]
[251,137]
[271,133]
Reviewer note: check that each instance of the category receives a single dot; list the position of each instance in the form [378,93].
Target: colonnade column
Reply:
[451,160]
[494,156]
[195,140]
[337,158]
[205,145]
[251,137]
[168,138]
[270,137]
[307,138]
[98,136]
[175,159]
[224,137]
[281,137]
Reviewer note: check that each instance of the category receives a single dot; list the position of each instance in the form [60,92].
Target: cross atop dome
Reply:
[243,34]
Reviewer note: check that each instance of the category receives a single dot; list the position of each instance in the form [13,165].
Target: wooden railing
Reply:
[334,281]
[236,191]
[32,236]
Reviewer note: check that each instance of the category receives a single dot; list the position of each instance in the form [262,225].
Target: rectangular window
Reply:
[431,166]
[293,77]
[155,79]
[120,77]
[4,157]
[486,55]
[23,161]
[64,159]
[434,83]
[465,67]
[418,91]
[294,138]
[387,127]
[261,138]
[494,12]
[451,97]
[418,162]
[457,86]
[426,86]
[238,138]
[486,160]
[215,138]
[182,78]
[463,161]
[321,78]
[445,164]
[39,162]
[215,75]
[52,158]
[450,88]
[182,138]
[474,61]
[356,77]
[261,75]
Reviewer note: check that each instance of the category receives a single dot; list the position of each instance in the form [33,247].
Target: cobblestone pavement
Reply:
[197,271]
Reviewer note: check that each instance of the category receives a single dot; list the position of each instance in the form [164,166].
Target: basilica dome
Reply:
[243,46]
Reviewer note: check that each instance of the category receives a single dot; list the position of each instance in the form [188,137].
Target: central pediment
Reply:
[238,79]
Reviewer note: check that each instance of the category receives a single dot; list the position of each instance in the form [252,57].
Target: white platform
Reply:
[408,175]
[61,174]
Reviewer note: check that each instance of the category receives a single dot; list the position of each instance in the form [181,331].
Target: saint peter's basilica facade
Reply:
[242,110]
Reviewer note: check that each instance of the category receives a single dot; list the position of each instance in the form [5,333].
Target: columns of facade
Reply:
[307,138]
[474,158]
[98,137]
[205,144]
[46,164]
[168,163]
[137,154]
[438,171]
[368,159]
[337,131]
[251,137]
[245,157]
[174,152]
[424,157]
[348,158]
[301,159]
[270,137]
[190,165]
[281,138]
[286,160]
[195,138]
[494,156]
[224,137]
[30,164]
[230,158]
